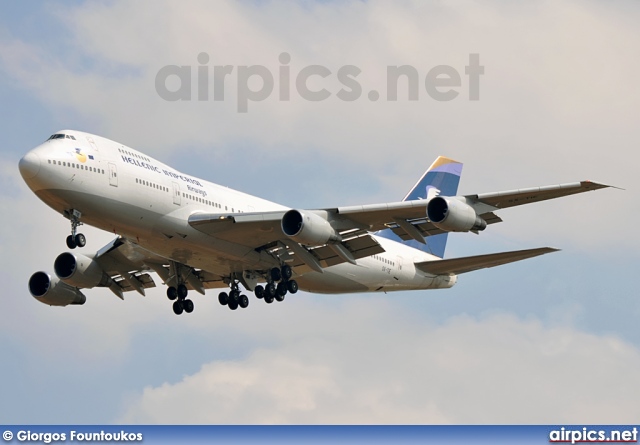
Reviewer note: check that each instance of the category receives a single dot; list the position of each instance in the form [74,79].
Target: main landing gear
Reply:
[234,299]
[272,291]
[179,297]
[75,239]
[279,282]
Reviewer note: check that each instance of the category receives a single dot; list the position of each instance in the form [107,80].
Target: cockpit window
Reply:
[61,136]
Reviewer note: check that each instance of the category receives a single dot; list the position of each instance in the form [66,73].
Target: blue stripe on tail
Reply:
[441,179]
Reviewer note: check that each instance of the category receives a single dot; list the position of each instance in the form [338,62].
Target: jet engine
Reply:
[452,215]
[52,291]
[80,271]
[308,228]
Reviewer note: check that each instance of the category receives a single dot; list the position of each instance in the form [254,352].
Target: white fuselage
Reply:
[121,190]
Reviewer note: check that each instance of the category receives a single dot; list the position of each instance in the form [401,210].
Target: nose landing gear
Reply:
[75,239]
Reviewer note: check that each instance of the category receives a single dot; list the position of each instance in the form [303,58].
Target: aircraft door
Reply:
[176,193]
[113,175]
[399,273]
[92,143]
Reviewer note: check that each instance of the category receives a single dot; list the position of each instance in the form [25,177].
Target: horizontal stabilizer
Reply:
[471,263]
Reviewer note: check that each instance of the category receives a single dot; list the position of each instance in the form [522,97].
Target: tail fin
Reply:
[442,178]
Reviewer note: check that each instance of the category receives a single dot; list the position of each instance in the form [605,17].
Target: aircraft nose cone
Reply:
[29,165]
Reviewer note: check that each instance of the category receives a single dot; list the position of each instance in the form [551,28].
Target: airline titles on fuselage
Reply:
[171,174]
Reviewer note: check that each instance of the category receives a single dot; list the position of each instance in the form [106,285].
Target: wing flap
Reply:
[471,263]
[144,279]
[359,247]
[426,228]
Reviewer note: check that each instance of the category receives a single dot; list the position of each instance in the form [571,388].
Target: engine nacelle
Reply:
[52,291]
[308,228]
[452,215]
[80,271]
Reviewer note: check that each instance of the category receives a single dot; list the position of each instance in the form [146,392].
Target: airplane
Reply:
[197,235]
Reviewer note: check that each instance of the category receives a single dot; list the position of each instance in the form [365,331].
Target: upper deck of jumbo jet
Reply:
[84,151]
[74,154]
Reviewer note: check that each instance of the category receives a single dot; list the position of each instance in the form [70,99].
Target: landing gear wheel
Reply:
[71,242]
[182,291]
[270,290]
[280,297]
[233,305]
[188,306]
[259,291]
[172,293]
[80,240]
[234,296]
[281,290]
[286,272]
[223,298]
[276,275]
[268,299]
[75,239]
[292,286]
[177,307]
[243,302]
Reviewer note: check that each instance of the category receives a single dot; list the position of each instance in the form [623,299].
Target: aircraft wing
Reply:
[262,230]
[258,229]
[128,264]
[487,203]
[380,216]
[471,263]
[511,198]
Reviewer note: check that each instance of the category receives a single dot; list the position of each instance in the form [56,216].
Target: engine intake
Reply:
[53,292]
[452,215]
[80,271]
[308,228]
